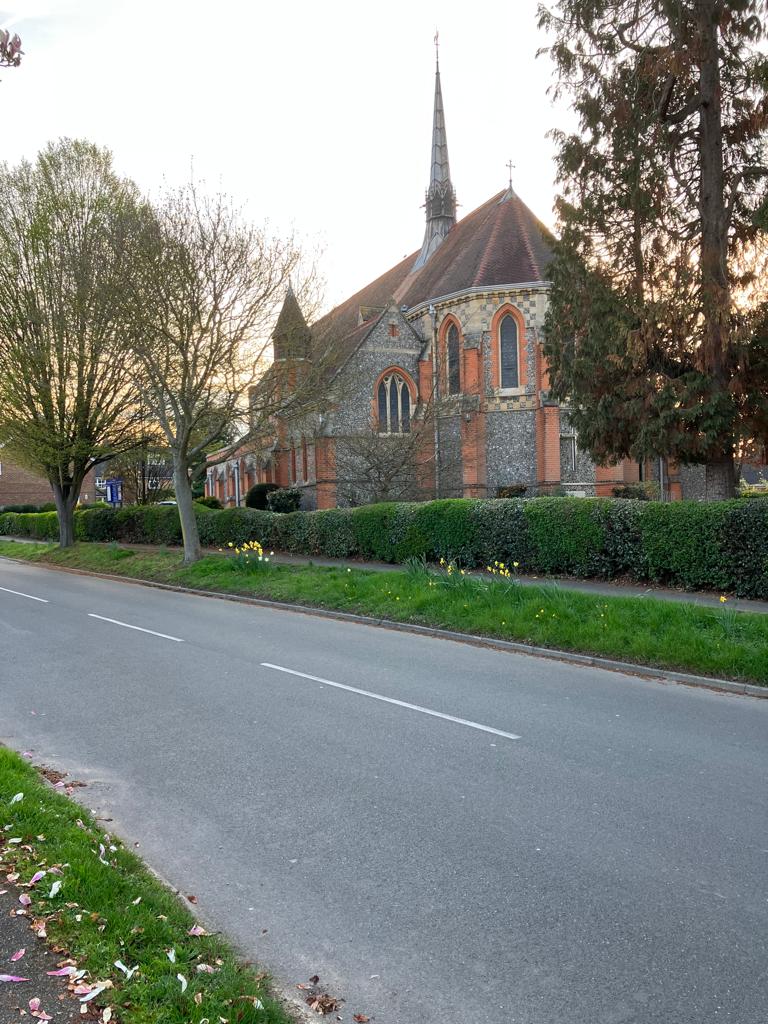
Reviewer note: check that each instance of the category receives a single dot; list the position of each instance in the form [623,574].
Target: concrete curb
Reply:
[510,646]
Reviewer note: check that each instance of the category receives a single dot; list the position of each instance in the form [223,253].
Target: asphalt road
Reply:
[606,865]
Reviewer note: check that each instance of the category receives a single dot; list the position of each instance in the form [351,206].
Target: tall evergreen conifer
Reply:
[657,331]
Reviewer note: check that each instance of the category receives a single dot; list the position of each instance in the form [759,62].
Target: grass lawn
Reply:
[98,904]
[716,642]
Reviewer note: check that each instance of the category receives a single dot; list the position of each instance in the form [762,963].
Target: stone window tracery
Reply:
[394,404]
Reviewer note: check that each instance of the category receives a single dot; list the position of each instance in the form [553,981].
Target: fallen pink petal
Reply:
[18,955]
[197,930]
[34,1004]
[63,972]
[25,900]
[11,977]
[36,877]
[97,988]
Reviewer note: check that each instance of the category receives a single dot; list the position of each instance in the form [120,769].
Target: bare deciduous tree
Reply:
[69,231]
[375,467]
[207,297]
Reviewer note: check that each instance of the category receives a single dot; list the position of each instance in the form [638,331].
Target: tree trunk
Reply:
[189,533]
[715,283]
[720,479]
[65,496]
[715,290]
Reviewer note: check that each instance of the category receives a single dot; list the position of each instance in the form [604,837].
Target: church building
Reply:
[439,385]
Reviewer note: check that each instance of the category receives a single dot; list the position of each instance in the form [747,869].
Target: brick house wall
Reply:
[20,487]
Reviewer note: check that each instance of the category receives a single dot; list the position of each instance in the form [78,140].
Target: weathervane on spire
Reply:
[437,47]
[510,168]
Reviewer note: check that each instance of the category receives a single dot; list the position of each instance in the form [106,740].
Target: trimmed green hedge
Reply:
[712,546]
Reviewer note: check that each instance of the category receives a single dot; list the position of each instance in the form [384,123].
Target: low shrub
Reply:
[284,499]
[639,491]
[256,496]
[511,491]
[209,502]
[37,525]
[48,507]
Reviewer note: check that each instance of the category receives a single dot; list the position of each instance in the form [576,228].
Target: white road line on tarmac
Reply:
[31,597]
[391,700]
[117,622]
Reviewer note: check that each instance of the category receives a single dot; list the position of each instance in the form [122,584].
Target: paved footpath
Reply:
[443,833]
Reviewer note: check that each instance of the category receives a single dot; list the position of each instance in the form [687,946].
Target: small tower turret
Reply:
[291,336]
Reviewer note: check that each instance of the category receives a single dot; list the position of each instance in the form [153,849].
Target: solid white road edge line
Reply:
[31,597]
[117,622]
[391,700]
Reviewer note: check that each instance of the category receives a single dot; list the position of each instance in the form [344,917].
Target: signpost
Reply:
[114,491]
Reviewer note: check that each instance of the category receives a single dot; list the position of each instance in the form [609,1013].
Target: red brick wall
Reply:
[20,487]
[548,444]
[325,472]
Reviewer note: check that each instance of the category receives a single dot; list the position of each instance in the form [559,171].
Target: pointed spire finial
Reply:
[437,49]
[441,197]
[510,168]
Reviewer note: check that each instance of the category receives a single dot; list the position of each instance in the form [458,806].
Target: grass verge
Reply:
[109,908]
[716,642]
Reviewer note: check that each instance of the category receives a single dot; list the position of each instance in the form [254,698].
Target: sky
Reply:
[316,117]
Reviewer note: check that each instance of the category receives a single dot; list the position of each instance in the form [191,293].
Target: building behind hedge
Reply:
[440,387]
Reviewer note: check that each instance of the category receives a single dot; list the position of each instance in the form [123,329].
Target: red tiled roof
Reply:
[499,243]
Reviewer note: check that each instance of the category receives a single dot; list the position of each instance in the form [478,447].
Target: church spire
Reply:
[441,197]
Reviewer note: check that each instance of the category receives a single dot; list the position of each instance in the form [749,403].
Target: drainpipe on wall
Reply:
[662,493]
[435,398]
[237,484]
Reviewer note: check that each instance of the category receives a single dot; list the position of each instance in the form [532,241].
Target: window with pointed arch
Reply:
[394,404]
[508,369]
[452,359]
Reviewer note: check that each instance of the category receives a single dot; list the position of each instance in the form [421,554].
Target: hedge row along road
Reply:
[720,546]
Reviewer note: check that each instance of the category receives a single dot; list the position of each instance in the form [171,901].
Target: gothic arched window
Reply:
[509,376]
[394,404]
[453,360]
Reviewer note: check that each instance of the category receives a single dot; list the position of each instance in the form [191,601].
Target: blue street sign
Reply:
[114,491]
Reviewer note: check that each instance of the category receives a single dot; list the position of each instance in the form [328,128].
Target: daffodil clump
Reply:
[455,576]
[249,555]
[505,572]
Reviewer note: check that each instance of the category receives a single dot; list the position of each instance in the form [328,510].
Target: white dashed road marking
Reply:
[127,625]
[31,597]
[391,700]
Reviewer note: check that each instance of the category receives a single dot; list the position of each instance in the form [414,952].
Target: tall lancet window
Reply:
[453,359]
[508,346]
[394,403]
